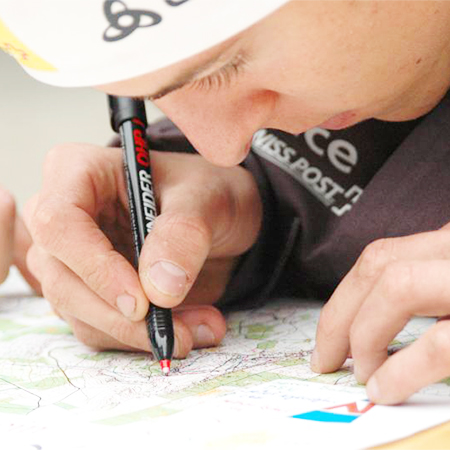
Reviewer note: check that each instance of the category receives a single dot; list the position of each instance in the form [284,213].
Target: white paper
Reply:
[57,393]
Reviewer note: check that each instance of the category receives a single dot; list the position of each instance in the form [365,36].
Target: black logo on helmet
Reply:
[175,2]
[123,21]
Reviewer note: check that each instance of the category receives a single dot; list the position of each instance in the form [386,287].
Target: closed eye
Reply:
[222,77]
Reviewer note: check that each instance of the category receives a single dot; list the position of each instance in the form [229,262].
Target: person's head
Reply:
[308,63]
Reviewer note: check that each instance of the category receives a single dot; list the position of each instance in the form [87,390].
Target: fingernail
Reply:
[315,360]
[168,278]
[126,304]
[373,390]
[204,337]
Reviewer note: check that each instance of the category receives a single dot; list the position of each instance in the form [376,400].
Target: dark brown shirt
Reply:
[327,194]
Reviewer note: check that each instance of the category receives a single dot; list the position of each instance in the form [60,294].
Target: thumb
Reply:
[172,257]
[206,212]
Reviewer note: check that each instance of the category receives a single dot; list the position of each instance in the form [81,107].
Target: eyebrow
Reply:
[183,79]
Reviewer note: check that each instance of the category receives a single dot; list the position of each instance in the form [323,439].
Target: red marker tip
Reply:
[165,366]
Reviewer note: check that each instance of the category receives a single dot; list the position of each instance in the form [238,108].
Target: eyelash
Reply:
[223,77]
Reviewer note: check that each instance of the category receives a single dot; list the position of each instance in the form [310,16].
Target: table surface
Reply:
[437,438]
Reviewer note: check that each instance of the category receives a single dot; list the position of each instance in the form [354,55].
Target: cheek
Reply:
[296,114]
[216,109]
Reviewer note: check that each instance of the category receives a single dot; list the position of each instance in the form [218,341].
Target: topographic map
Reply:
[54,389]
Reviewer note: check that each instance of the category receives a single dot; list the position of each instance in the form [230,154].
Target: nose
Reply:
[219,126]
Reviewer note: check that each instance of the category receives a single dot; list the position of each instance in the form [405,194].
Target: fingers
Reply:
[92,257]
[14,240]
[173,255]
[7,218]
[204,214]
[82,241]
[403,290]
[92,337]
[69,295]
[428,359]
[332,340]
[206,324]
[97,324]
[188,335]
[77,192]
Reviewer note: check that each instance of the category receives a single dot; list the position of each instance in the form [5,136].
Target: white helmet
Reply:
[92,42]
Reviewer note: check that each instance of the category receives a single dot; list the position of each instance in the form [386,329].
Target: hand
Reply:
[393,280]
[14,240]
[83,246]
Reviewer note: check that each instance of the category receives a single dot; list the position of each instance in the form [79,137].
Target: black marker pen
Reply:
[128,117]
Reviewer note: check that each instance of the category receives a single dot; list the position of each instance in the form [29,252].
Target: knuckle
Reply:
[43,227]
[94,274]
[397,282]
[98,274]
[81,157]
[438,349]
[192,233]
[374,257]
[56,154]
